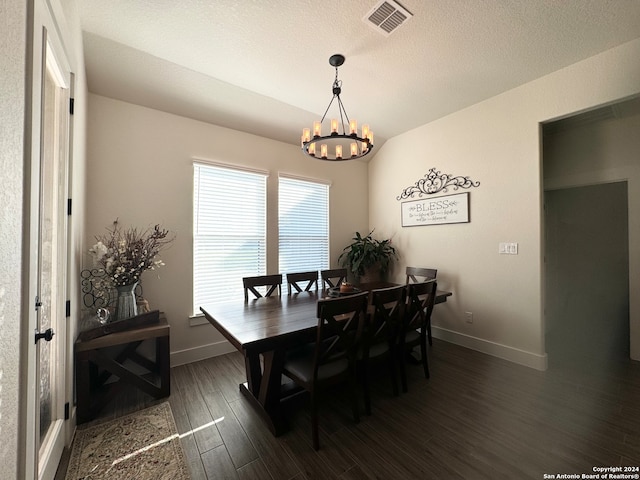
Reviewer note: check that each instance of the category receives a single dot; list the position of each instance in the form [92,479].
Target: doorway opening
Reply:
[590,176]
[587,276]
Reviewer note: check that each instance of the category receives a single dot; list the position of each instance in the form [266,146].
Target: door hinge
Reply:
[71,105]
[66,411]
[68,206]
[68,308]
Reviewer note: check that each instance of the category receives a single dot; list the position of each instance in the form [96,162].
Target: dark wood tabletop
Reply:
[268,326]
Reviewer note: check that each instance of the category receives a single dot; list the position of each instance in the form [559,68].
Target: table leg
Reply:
[83,387]
[254,372]
[162,363]
[263,388]
[271,380]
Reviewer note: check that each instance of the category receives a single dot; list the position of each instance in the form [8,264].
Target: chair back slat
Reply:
[386,321]
[273,283]
[333,277]
[420,301]
[340,326]
[419,274]
[295,279]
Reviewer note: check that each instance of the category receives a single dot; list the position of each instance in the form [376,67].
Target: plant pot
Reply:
[372,274]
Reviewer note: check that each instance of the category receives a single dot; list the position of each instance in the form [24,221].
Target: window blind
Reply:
[303,218]
[229,232]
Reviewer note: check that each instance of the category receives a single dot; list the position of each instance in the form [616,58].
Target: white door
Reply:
[47,341]
[52,261]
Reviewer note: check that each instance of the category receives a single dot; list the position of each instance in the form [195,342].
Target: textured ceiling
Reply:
[261,66]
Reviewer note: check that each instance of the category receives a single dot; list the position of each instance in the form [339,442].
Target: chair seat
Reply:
[412,337]
[376,350]
[299,363]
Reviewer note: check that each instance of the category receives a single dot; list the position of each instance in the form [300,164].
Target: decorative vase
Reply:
[126,302]
[371,274]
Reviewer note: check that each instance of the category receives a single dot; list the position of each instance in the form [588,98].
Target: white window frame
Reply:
[227,211]
[307,261]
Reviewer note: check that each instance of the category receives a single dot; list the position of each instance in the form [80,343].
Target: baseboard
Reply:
[189,355]
[515,355]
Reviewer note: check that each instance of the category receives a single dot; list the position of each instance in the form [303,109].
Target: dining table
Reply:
[263,330]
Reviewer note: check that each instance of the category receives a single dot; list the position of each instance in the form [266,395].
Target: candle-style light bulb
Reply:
[306,134]
[338,151]
[317,129]
[312,149]
[370,137]
[365,131]
[353,127]
[323,150]
[354,149]
[334,125]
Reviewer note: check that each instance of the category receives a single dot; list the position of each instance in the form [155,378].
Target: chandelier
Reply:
[339,144]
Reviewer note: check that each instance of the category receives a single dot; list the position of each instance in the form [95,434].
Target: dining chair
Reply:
[331,359]
[333,277]
[381,335]
[419,274]
[417,325]
[271,282]
[300,277]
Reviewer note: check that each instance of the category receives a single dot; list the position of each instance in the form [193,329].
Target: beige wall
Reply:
[497,143]
[140,171]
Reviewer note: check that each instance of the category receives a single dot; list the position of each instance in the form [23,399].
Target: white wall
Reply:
[497,143]
[77,186]
[602,152]
[12,92]
[140,171]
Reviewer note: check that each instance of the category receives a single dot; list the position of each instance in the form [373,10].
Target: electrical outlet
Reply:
[468,316]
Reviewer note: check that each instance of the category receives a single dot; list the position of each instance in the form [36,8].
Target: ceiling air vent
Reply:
[386,17]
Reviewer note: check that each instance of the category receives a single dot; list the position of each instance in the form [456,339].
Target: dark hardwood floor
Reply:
[478,417]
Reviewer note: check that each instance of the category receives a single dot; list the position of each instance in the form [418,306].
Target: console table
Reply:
[95,367]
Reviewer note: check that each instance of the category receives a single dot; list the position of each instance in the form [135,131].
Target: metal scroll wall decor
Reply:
[444,209]
[435,182]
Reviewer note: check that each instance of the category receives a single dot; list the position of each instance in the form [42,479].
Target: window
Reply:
[229,232]
[303,217]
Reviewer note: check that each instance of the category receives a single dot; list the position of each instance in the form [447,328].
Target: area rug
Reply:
[143,445]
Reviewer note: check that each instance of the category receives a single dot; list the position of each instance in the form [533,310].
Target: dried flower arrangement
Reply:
[124,254]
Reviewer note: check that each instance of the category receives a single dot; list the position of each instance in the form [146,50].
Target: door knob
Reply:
[47,335]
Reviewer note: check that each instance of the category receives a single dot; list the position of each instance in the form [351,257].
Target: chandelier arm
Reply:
[342,110]
[329,106]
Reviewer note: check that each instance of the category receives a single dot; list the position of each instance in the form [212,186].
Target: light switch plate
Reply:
[508,248]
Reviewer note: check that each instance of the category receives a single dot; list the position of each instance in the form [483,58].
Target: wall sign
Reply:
[436,210]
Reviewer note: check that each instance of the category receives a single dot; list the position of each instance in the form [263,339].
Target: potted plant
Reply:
[367,258]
